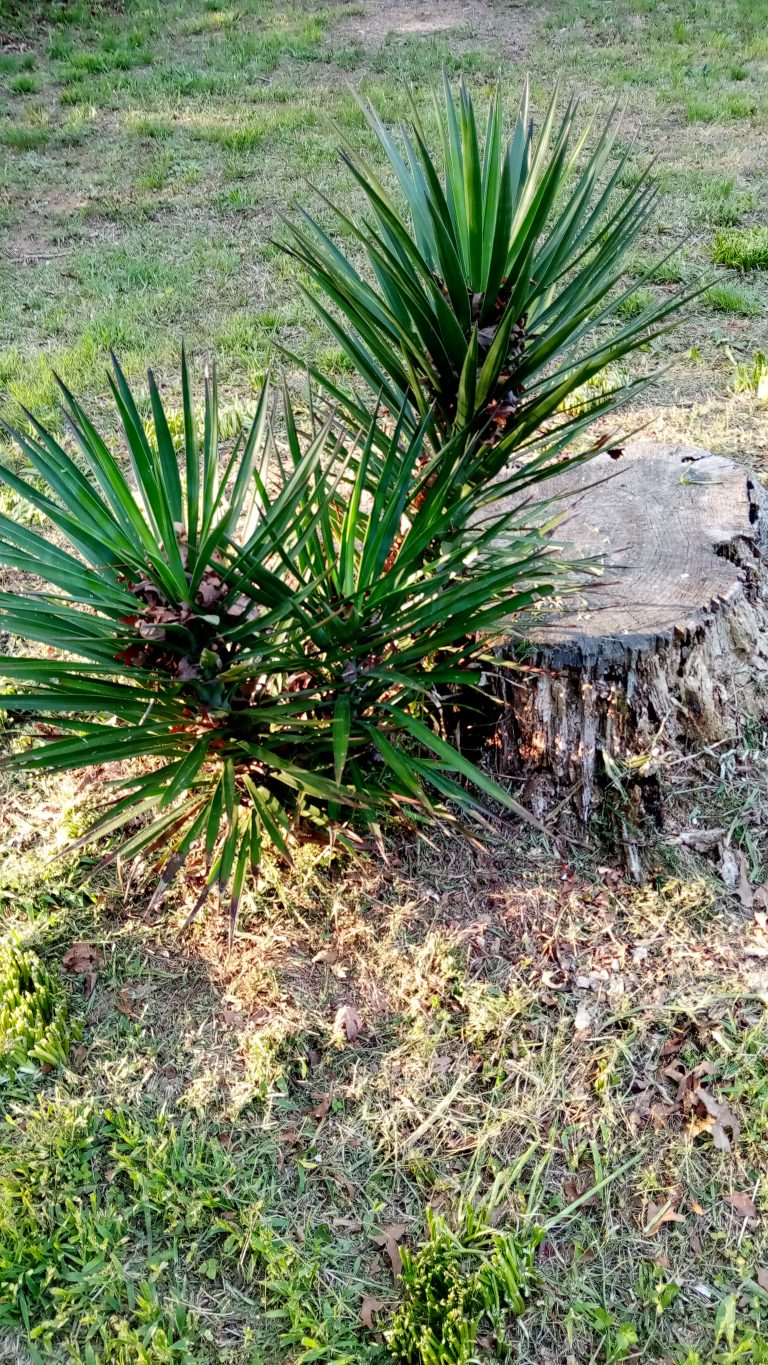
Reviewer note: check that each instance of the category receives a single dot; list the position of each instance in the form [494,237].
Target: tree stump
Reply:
[668,645]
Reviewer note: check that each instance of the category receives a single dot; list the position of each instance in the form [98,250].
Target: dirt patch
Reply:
[404,19]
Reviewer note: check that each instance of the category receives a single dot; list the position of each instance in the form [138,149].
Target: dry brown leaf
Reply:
[79,958]
[348,1022]
[761,1275]
[368,1307]
[321,1108]
[745,892]
[393,1233]
[743,1205]
[395,1259]
[125,1005]
[696,1207]
[388,1240]
[232,1018]
[720,1118]
[657,1216]
[328,955]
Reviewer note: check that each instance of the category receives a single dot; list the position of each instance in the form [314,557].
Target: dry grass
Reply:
[508,1008]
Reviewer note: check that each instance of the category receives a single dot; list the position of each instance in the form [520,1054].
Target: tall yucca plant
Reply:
[263,646]
[492,290]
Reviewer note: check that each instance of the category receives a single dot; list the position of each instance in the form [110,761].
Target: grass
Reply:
[742,249]
[730,298]
[221,1173]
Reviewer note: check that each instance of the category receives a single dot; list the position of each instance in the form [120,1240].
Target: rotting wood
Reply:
[669,645]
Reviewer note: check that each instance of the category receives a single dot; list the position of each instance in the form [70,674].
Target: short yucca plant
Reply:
[490,293]
[264,647]
[33,1012]
[457,1282]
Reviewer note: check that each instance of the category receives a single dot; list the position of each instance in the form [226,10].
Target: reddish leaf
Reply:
[79,958]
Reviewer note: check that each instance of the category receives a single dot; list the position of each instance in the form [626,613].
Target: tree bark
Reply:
[669,645]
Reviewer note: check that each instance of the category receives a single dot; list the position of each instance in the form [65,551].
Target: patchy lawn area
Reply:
[243,1148]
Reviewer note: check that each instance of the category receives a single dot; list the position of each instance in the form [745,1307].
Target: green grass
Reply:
[742,249]
[218,1172]
[26,84]
[238,97]
[635,304]
[731,298]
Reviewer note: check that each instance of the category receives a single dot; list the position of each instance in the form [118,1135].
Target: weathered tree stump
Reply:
[668,645]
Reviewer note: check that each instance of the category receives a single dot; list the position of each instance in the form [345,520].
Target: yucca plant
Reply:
[33,1012]
[456,1282]
[263,647]
[492,288]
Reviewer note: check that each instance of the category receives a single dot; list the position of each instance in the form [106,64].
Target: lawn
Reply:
[242,1147]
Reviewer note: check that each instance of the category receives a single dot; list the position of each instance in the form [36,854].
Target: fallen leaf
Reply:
[232,1018]
[696,1208]
[746,894]
[321,1108]
[79,958]
[329,955]
[720,1118]
[582,1020]
[395,1259]
[388,1240]
[368,1307]
[125,1005]
[348,1022]
[743,1205]
[729,867]
[672,1044]
[657,1216]
[395,1233]
[761,1275]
